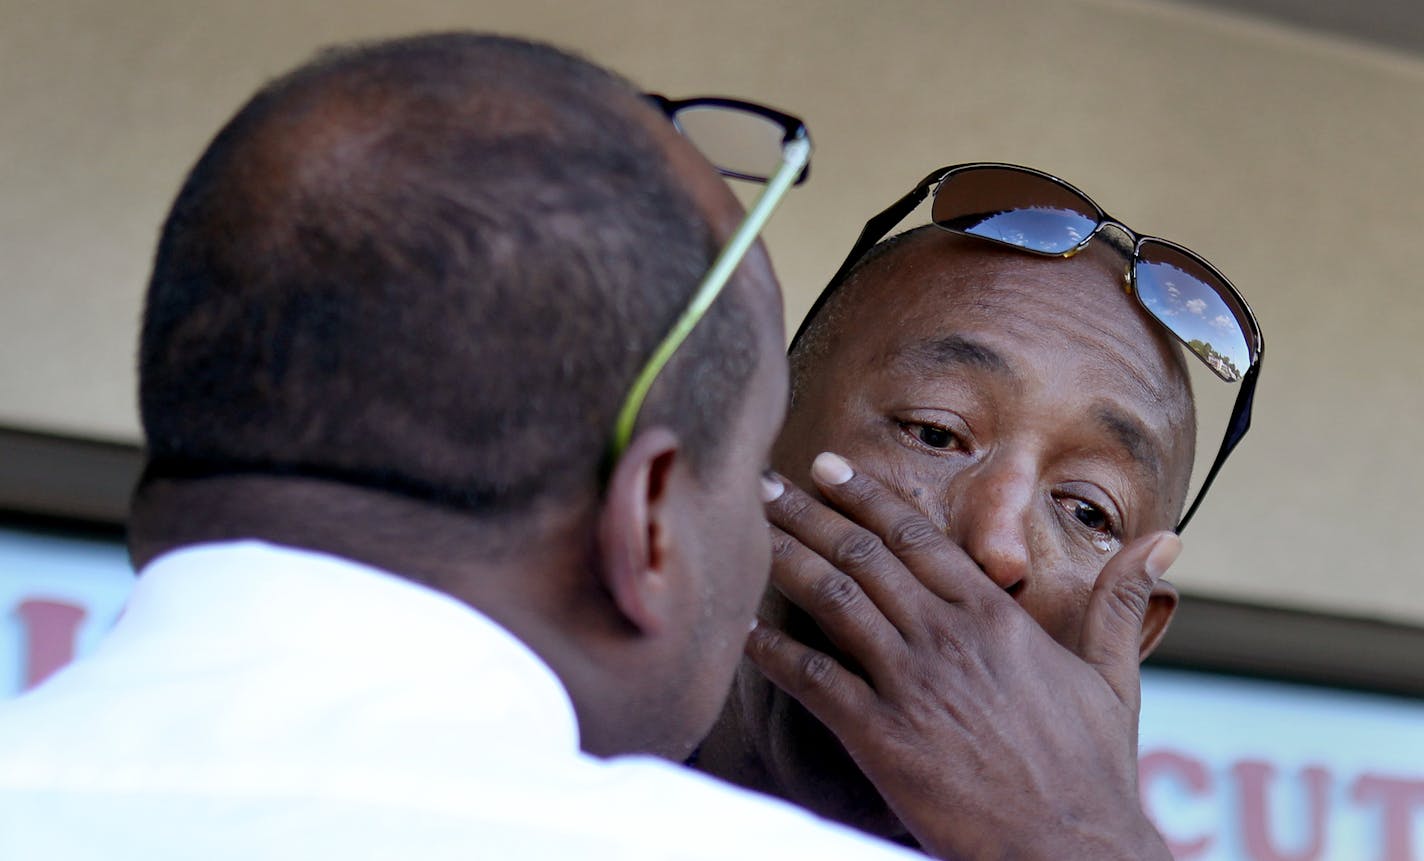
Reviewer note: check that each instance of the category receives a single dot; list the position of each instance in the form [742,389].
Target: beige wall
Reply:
[1292,161]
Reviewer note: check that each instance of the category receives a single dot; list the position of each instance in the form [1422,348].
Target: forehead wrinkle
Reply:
[939,354]
[1151,387]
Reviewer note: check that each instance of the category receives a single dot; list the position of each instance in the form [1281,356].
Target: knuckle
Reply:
[999,614]
[1131,596]
[836,594]
[947,643]
[1128,601]
[857,550]
[914,532]
[762,641]
[793,505]
[816,670]
[782,547]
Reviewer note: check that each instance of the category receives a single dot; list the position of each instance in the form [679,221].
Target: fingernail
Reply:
[1162,555]
[771,488]
[831,468]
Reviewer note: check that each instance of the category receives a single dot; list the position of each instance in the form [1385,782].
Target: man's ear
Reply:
[634,530]
[1161,606]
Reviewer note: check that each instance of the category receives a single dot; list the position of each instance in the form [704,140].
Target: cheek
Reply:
[756,564]
[746,568]
[841,425]
[738,567]
[925,483]
[735,558]
[1057,598]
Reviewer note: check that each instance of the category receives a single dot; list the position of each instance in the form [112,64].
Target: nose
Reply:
[990,514]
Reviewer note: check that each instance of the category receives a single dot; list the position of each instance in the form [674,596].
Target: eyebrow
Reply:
[1132,434]
[937,354]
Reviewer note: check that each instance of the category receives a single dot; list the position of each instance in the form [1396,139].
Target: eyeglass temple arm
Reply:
[874,230]
[794,157]
[1235,429]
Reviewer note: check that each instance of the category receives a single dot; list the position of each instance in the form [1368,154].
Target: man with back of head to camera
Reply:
[415,568]
[1034,422]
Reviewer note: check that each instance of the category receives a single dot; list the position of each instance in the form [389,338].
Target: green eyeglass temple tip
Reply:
[794,156]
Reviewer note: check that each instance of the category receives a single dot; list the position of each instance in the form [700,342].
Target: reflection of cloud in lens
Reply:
[1197,314]
[1038,228]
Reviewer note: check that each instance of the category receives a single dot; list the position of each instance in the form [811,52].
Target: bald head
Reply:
[432,266]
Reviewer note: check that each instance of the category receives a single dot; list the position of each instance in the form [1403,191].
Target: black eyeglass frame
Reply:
[880,225]
[792,128]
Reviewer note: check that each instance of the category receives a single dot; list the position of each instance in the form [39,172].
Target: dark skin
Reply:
[1020,436]
[639,599]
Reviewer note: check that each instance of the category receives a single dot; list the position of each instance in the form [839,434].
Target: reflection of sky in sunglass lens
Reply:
[1040,228]
[1175,288]
[1196,313]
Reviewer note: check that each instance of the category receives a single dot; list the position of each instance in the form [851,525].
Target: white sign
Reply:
[1238,769]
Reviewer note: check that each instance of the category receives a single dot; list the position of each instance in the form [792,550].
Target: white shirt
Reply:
[263,702]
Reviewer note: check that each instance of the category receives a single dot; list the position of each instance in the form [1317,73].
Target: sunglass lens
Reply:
[735,141]
[1016,208]
[1196,305]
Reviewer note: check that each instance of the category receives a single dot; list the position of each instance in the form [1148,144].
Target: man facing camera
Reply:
[418,576]
[964,675]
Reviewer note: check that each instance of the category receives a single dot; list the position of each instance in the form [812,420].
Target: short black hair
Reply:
[431,265]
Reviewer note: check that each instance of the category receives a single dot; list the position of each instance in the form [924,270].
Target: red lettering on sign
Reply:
[1194,775]
[1395,796]
[1253,778]
[50,628]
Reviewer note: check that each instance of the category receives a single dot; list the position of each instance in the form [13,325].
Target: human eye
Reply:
[1097,519]
[931,435]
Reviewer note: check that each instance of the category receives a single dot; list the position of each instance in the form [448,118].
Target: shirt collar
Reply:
[359,625]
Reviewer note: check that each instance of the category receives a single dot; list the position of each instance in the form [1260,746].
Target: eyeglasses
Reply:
[744,141]
[1038,213]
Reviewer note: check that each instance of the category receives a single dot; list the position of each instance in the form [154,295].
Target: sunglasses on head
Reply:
[1037,213]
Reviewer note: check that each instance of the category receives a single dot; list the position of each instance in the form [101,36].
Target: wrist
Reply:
[1134,838]
[1065,838]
